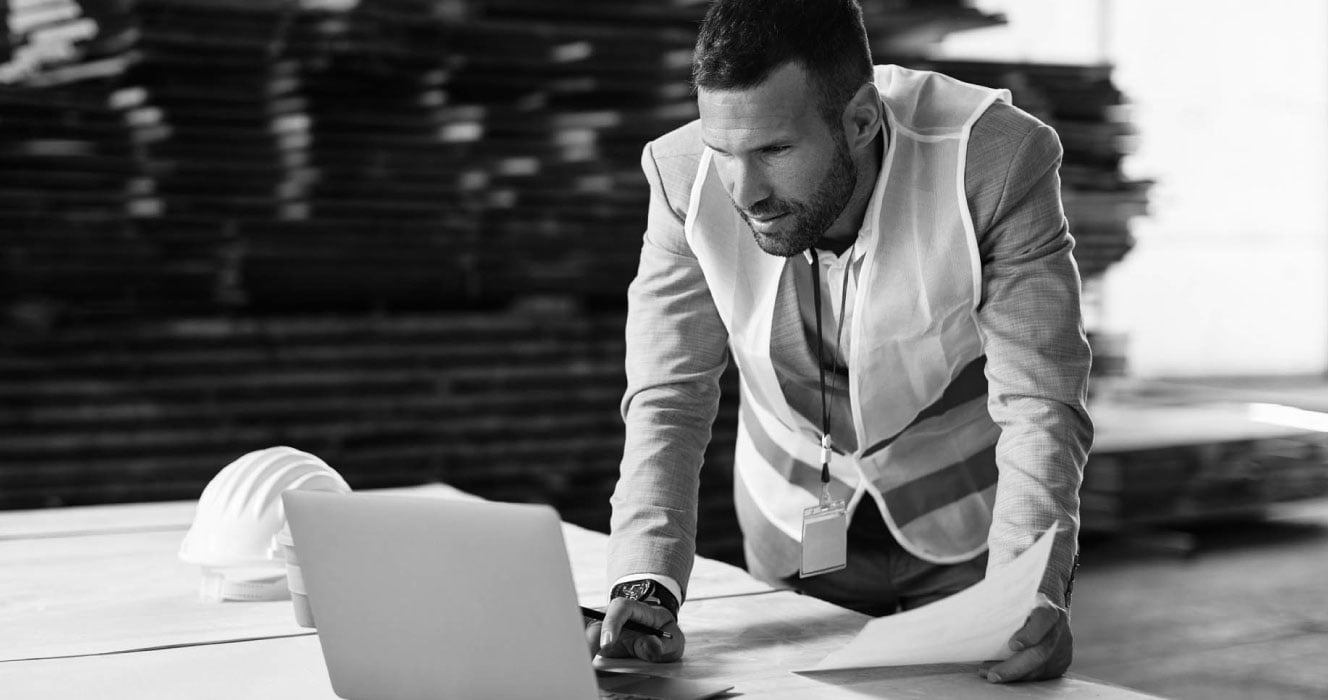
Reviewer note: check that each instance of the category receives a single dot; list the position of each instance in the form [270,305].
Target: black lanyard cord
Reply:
[820,342]
[826,413]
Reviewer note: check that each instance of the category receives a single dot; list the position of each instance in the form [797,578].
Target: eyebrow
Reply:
[759,147]
[712,147]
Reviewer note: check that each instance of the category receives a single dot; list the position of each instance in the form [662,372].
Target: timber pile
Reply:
[192,189]
[1188,483]
[516,406]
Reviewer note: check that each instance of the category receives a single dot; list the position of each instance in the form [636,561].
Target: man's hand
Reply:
[1043,647]
[609,639]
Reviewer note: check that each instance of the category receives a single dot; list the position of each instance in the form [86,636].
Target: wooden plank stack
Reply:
[234,223]
[1184,484]
[516,406]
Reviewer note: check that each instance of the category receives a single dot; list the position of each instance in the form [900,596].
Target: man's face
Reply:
[788,173]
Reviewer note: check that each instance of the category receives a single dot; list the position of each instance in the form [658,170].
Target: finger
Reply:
[1020,666]
[618,612]
[618,641]
[1041,621]
[660,650]
[647,647]
[592,637]
[1048,659]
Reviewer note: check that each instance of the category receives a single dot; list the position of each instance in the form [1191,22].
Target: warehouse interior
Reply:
[398,234]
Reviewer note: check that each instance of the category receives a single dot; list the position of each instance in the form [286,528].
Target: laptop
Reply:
[417,597]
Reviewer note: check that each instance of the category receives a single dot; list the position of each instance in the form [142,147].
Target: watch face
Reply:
[637,590]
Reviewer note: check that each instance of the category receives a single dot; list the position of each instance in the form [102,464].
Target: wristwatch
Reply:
[646,591]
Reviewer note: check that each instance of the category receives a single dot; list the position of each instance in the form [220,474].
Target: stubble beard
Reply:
[808,220]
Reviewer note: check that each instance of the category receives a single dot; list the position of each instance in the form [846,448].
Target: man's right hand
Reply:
[609,639]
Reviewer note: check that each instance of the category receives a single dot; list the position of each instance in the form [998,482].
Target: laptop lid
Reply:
[434,598]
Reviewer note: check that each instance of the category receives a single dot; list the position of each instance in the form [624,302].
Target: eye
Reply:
[776,150]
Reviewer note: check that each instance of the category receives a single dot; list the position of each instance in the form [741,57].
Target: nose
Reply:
[747,185]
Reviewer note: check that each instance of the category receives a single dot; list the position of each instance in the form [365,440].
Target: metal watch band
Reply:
[646,591]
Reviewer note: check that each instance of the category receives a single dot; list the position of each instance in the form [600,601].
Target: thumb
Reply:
[617,614]
[592,633]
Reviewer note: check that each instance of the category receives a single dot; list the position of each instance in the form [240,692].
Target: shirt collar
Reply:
[866,231]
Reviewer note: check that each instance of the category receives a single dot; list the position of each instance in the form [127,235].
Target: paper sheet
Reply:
[971,626]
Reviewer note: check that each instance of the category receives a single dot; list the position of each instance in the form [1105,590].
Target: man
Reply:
[904,228]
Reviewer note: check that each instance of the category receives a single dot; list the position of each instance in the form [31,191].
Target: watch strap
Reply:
[647,591]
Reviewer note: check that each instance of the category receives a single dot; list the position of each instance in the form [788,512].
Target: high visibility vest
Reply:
[926,443]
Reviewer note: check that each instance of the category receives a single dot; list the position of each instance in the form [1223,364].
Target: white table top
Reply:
[96,604]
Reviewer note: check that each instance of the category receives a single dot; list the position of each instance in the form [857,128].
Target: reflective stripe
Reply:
[792,470]
[917,476]
[933,445]
[969,384]
[937,489]
[778,501]
[796,468]
[954,533]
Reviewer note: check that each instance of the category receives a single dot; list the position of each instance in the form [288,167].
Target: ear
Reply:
[863,116]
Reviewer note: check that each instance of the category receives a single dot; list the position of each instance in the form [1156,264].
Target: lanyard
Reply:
[826,413]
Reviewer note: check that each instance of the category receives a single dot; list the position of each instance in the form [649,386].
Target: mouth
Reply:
[763,224]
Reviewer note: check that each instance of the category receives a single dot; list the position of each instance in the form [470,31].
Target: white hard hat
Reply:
[234,535]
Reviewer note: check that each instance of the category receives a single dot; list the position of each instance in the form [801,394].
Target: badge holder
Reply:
[824,529]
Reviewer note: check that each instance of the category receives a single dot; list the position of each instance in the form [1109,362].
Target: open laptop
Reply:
[418,597]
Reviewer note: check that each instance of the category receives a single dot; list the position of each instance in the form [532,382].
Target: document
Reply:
[971,626]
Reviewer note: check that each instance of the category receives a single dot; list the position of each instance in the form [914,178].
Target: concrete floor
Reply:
[1235,610]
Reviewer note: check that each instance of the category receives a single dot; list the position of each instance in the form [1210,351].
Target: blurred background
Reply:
[398,233]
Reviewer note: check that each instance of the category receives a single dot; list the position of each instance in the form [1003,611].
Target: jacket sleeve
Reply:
[676,349]
[1032,330]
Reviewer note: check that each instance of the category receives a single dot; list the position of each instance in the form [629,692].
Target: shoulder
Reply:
[1009,150]
[671,161]
[683,143]
[1003,131]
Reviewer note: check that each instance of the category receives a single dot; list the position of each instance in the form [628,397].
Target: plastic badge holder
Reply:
[304,613]
[824,539]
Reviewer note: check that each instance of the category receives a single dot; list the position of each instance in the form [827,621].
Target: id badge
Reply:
[824,539]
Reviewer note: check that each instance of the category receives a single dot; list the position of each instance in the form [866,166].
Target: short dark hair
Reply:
[743,41]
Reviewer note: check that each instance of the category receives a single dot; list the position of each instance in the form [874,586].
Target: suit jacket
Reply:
[1029,320]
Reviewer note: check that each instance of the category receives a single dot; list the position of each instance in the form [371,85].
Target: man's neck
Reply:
[836,245]
[845,229]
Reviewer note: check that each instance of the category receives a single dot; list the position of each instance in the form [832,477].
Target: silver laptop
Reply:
[418,597]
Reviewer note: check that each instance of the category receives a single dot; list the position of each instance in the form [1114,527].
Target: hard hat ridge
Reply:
[240,513]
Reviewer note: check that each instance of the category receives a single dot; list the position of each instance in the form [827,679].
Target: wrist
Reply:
[647,591]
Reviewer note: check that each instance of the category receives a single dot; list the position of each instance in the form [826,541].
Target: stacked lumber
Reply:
[237,223]
[1188,483]
[264,155]
[516,406]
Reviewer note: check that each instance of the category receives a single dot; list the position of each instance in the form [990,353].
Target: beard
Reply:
[807,221]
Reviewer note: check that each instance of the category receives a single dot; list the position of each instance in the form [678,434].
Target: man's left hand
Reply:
[1043,647]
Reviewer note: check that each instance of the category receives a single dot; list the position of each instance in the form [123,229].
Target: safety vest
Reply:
[918,393]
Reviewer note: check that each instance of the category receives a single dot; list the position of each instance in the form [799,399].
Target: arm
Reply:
[1037,366]
[676,351]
